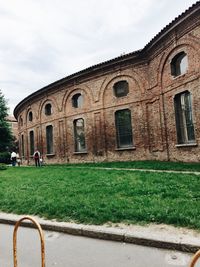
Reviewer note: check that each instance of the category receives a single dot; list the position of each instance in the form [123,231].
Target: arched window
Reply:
[121,88]
[31,140]
[30,116]
[21,121]
[79,135]
[123,128]
[48,109]
[184,120]
[77,101]
[179,64]
[22,145]
[49,139]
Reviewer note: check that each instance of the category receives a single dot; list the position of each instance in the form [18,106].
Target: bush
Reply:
[5,157]
[3,166]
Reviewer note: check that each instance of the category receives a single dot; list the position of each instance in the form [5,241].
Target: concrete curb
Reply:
[137,235]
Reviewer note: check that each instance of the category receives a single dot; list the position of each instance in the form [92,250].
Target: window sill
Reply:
[125,148]
[80,153]
[179,76]
[50,155]
[186,145]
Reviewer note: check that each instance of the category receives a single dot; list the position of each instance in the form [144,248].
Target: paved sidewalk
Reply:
[161,236]
[141,170]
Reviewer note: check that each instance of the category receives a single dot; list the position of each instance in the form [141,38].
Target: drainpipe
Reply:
[165,125]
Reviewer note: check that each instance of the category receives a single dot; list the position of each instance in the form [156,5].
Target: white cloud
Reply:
[45,40]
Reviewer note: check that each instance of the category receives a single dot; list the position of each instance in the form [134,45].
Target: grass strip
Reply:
[99,196]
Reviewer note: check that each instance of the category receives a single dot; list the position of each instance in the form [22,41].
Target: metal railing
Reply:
[195,258]
[41,239]
[192,263]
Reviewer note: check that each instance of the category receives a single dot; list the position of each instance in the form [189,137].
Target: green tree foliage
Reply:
[6,138]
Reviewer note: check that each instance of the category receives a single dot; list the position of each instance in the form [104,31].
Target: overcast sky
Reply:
[42,41]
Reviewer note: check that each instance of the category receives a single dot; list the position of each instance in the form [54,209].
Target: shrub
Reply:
[5,157]
[3,166]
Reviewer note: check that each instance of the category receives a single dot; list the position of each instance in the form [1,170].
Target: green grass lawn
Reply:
[98,196]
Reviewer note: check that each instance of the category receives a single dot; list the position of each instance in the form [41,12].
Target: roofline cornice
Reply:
[133,56]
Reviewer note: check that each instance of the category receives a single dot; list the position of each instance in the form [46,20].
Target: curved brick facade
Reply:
[158,130]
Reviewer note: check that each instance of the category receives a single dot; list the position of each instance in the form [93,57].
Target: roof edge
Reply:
[177,21]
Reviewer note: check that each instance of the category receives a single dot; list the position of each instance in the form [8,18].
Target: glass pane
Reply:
[179,120]
[121,88]
[188,118]
[30,116]
[49,139]
[183,64]
[79,134]
[48,109]
[179,64]
[31,142]
[77,101]
[184,121]
[22,145]
[124,128]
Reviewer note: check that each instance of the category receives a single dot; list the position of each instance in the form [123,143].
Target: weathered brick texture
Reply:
[152,89]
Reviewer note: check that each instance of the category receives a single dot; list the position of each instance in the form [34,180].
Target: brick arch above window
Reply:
[190,47]
[49,139]
[121,88]
[47,108]
[184,118]
[77,100]
[21,121]
[29,116]
[179,64]
[128,89]
[123,126]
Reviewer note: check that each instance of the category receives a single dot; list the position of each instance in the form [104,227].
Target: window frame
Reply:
[31,142]
[21,122]
[185,132]
[119,128]
[30,116]
[22,146]
[77,100]
[49,140]
[177,69]
[117,86]
[47,108]
[78,148]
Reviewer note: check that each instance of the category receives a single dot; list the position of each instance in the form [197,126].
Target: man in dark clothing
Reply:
[36,157]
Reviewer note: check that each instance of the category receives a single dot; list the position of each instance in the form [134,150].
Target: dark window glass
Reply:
[49,139]
[31,135]
[121,88]
[22,145]
[184,120]
[21,121]
[179,64]
[79,135]
[77,101]
[48,109]
[30,116]
[123,128]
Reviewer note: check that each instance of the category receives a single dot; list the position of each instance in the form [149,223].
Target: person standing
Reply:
[36,157]
[13,158]
[18,160]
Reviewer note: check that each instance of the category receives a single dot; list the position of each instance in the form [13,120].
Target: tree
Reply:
[6,138]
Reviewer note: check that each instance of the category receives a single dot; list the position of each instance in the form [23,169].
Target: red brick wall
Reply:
[151,101]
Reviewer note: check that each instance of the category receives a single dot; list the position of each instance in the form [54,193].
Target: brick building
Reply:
[13,125]
[142,105]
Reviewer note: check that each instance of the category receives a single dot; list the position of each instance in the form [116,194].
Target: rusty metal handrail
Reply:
[195,258]
[41,239]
